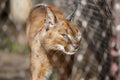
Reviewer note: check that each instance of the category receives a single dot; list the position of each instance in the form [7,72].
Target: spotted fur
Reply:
[50,34]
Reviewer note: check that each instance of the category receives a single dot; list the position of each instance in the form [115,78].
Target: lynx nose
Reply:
[75,45]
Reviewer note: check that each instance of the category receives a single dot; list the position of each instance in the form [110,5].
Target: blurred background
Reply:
[99,22]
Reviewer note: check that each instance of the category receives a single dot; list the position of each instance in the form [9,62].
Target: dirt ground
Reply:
[14,66]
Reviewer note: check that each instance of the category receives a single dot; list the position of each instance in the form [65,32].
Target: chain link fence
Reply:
[99,22]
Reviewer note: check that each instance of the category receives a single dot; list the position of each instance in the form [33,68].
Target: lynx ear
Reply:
[50,18]
[71,15]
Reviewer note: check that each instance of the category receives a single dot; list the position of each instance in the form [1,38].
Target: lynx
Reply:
[52,39]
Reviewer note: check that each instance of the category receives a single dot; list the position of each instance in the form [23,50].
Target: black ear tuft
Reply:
[71,15]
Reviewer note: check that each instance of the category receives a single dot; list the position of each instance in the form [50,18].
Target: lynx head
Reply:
[60,34]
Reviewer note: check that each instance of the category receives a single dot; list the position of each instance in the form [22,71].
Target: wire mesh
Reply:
[98,55]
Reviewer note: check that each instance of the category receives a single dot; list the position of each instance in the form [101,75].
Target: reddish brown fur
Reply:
[43,43]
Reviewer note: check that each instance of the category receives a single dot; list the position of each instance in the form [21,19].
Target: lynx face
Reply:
[63,36]
[58,33]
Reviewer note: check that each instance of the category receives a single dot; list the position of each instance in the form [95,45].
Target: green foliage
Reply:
[13,46]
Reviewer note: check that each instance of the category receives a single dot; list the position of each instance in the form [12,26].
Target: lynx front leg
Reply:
[40,67]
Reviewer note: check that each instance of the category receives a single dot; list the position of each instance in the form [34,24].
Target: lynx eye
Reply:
[65,36]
